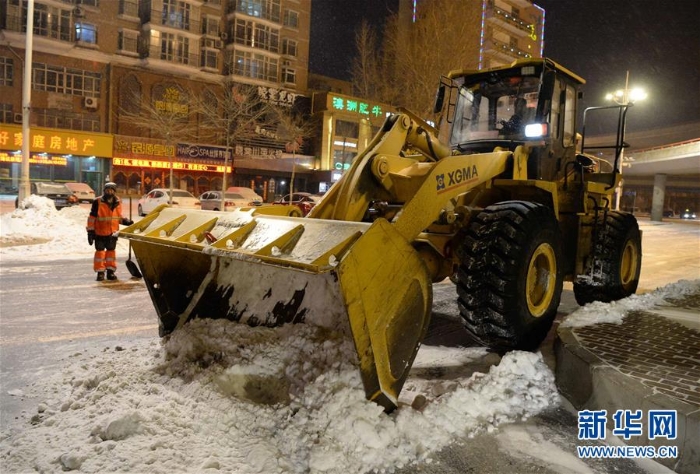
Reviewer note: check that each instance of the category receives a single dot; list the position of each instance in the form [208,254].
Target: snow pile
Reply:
[37,222]
[227,397]
[614,312]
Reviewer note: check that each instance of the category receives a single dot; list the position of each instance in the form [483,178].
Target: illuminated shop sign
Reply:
[185,150]
[276,96]
[60,142]
[34,159]
[170,101]
[165,165]
[170,107]
[346,104]
[136,148]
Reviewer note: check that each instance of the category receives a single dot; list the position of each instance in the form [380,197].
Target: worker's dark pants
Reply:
[105,254]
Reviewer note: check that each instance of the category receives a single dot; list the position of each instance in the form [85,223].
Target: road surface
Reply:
[52,309]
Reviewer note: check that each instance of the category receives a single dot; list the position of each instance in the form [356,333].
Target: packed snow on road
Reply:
[219,396]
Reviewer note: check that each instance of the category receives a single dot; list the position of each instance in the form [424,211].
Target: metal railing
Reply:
[508,49]
[184,58]
[509,18]
[16,23]
[175,19]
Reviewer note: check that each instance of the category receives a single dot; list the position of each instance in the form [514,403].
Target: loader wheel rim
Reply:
[628,263]
[541,280]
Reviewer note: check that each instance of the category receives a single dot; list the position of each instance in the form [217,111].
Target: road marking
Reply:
[64,337]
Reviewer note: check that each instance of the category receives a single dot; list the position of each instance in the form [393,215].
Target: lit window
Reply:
[86,33]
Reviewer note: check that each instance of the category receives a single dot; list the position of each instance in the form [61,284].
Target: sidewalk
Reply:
[649,362]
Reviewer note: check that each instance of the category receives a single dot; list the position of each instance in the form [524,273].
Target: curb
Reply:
[592,382]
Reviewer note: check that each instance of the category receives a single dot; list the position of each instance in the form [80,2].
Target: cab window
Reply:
[569,116]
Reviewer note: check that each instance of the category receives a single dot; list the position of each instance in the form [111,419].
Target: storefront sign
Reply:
[186,150]
[60,142]
[34,159]
[171,101]
[257,151]
[177,165]
[276,96]
[348,104]
[131,147]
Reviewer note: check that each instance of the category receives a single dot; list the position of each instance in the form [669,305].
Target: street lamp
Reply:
[624,97]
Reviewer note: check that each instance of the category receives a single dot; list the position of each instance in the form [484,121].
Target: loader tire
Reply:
[510,276]
[613,270]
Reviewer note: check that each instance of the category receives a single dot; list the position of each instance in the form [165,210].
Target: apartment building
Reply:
[92,57]
[502,30]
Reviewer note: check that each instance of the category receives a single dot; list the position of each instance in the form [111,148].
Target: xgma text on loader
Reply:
[508,212]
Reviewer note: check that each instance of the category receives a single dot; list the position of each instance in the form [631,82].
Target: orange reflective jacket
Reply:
[105,217]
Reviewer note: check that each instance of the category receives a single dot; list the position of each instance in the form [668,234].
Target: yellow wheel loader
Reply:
[507,207]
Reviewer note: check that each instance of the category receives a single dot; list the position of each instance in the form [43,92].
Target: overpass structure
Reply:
[678,159]
[661,170]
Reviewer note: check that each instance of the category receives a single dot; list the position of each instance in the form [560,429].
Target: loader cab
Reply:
[530,102]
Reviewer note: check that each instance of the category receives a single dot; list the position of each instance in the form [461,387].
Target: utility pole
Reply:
[24,184]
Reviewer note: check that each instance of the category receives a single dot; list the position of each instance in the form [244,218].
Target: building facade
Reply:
[503,30]
[94,60]
[346,127]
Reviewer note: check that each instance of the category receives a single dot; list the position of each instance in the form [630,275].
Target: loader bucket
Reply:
[271,270]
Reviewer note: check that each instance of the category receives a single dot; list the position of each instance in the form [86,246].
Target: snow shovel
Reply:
[130,264]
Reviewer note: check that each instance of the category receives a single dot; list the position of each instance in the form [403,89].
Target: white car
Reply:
[211,201]
[247,193]
[156,197]
[84,192]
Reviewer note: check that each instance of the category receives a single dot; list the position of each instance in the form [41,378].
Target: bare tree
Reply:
[165,116]
[293,129]
[413,56]
[366,79]
[236,115]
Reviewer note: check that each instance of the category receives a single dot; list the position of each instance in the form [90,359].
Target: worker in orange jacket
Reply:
[102,225]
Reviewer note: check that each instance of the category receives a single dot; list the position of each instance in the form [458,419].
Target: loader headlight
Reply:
[536,130]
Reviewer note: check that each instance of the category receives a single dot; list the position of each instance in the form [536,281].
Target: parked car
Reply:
[305,201]
[8,188]
[211,201]
[688,214]
[247,193]
[84,192]
[57,192]
[156,197]
[668,213]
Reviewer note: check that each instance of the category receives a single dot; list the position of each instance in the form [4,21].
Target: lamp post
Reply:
[25,189]
[624,97]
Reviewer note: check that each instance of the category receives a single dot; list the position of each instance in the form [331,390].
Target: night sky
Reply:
[333,24]
[656,40]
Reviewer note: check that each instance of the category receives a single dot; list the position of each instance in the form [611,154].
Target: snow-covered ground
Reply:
[218,396]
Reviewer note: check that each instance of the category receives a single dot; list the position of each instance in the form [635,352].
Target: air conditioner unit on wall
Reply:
[17,117]
[91,103]
[212,43]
